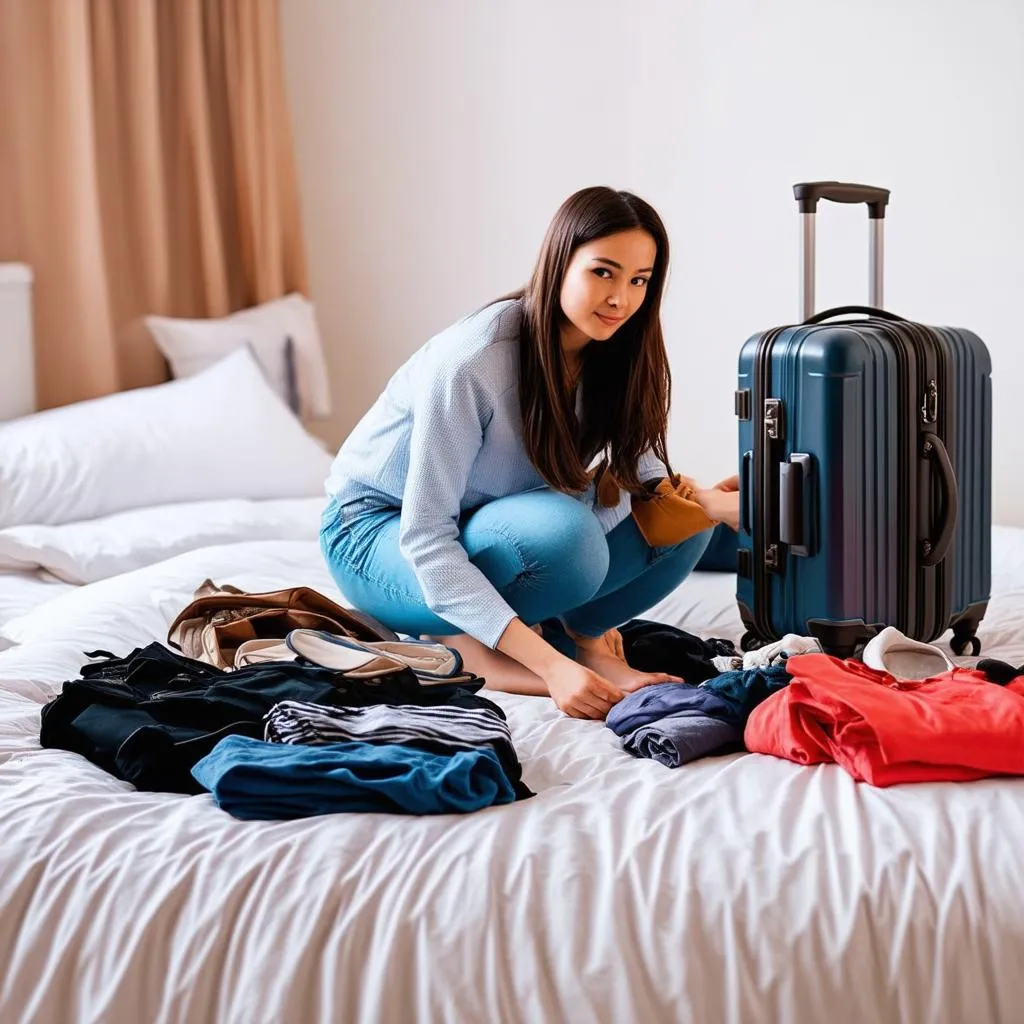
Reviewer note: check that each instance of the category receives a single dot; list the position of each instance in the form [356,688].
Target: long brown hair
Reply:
[626,380]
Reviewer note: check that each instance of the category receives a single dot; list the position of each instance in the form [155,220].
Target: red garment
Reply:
[953,727]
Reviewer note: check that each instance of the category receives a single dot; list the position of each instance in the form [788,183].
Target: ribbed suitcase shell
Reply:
[846,405]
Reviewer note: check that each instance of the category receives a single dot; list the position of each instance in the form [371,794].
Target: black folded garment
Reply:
[149,717]
[999,672]
[658,647]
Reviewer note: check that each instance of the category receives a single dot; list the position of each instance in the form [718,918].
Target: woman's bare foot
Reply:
[609,642]
[499,671]
[616,671]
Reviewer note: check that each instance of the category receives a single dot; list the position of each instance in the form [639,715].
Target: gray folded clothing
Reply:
[677,739]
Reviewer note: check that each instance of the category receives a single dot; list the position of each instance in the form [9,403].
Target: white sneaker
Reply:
[890,651]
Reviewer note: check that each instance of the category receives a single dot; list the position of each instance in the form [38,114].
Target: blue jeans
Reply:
[544,552]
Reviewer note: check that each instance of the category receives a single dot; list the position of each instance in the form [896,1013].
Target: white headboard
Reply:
[18,380]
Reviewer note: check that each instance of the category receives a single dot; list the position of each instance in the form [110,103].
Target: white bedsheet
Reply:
[21,592]
[740,888]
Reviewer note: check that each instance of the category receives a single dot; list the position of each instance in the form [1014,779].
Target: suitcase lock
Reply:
[930,403]
[773,424]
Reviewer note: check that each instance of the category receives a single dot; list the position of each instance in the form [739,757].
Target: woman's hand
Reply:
[721,504]
[579,692]
[729,484]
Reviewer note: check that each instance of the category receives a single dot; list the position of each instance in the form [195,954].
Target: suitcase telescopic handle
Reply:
[935,548]
[808,194]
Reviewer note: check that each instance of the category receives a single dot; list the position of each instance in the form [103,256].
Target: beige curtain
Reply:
[146,166]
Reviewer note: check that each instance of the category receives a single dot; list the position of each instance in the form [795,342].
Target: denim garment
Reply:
[253,779]
[676,739]
[650,703]
[544,553]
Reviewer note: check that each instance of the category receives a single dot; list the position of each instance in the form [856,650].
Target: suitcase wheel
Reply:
[959,644]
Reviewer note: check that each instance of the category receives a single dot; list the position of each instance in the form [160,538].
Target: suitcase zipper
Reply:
[906,375]
[936,416]
[929,580]
[929,404]
[769,430]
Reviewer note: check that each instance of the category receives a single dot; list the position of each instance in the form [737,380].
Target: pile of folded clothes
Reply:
[674,723]
[902,714]
[285,705]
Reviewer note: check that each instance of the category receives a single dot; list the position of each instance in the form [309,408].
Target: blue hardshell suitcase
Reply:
[865,445]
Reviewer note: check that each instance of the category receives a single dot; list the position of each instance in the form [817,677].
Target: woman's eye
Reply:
[640,282]
[602,271]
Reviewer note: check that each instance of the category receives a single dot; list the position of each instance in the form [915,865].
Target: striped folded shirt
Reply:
[439,728]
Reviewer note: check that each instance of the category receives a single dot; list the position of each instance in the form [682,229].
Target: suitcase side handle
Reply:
[935,548]
[827,314]
[797,511]
[808,193]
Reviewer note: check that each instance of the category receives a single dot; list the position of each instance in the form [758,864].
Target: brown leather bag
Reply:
[220,618]
[671,515]
[666,516]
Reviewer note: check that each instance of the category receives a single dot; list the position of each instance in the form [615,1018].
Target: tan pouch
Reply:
[671,515]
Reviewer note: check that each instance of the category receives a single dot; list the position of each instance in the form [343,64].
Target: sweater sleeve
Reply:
[650,467]
[449,418]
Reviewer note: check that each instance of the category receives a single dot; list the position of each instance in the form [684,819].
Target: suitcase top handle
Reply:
[809,192]
[827,314]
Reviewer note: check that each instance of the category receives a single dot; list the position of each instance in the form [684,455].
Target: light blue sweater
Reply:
[445,436]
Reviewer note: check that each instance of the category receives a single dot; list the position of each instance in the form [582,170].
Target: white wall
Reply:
[437,137]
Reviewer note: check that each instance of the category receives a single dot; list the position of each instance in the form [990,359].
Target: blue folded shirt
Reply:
[676,739]
[252,779]
[650,703]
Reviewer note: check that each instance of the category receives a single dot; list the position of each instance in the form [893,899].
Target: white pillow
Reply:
[96,549]
[193,345]
[223,433]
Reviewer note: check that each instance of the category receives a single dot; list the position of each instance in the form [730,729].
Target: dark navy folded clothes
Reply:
[658,647]
[650,703]
[147,718]
[253,779]
[744,689]
[678,739]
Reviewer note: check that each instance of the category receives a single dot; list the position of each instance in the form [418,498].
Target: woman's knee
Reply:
[574,548]
[554,536]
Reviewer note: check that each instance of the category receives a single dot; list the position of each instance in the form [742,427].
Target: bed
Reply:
[738,888]
[22,591]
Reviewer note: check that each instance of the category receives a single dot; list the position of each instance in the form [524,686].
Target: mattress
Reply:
[738,888]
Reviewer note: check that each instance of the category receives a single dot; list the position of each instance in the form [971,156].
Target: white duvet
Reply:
[740,888]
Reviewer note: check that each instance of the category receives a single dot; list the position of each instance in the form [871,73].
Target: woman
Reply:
[463,505]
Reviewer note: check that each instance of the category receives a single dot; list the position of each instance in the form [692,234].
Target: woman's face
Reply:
[605,284]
